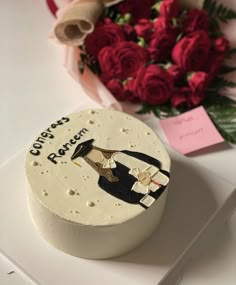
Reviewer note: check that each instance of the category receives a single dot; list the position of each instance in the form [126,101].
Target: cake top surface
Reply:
[97,167]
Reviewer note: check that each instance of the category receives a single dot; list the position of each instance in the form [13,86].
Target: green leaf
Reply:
[215,28]
[83,57]
[179,37]
[227,69]
[222,111]
[81,67]
[141,42]
[231,52]
[219,11]
[162,111]
[221,83]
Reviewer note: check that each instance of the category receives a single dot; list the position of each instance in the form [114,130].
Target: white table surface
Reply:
[35,89]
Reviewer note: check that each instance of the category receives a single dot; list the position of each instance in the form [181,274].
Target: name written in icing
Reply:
[66,147]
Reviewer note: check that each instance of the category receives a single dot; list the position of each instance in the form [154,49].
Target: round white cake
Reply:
[98,183]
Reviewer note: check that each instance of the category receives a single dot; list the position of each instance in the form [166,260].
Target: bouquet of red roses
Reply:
[166,58]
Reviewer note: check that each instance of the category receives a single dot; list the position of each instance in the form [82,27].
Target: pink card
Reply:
[191,131]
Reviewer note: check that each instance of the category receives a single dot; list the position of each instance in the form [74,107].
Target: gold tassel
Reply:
[76,163]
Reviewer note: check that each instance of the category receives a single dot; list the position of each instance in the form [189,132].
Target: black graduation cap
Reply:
[82,149]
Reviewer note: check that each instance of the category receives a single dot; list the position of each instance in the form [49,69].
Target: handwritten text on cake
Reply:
[47,134]
[65,147]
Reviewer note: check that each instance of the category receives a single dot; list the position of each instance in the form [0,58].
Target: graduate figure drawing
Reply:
[133,177]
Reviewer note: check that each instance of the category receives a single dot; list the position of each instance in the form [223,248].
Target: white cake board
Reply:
[214,261]
[194,198]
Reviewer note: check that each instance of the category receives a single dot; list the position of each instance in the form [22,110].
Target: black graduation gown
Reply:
[122,188]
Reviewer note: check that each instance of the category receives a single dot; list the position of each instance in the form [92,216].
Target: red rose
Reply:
[129,92]
[144,29]
[130,33]
[139,10]
[152,2]
[161,23]
[185,97]
[192,51]
[196,98]
[122,60]
[214,64]
[180,97]
[221,45]
[198,82]
[116,88]
[216,57]
[196,20]
[107,20]
[153,85]
[103,35]
[169,8]
[176,72]
[105,78]
[163,39]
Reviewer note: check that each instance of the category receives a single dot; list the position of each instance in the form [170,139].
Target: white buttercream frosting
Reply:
[70,189]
